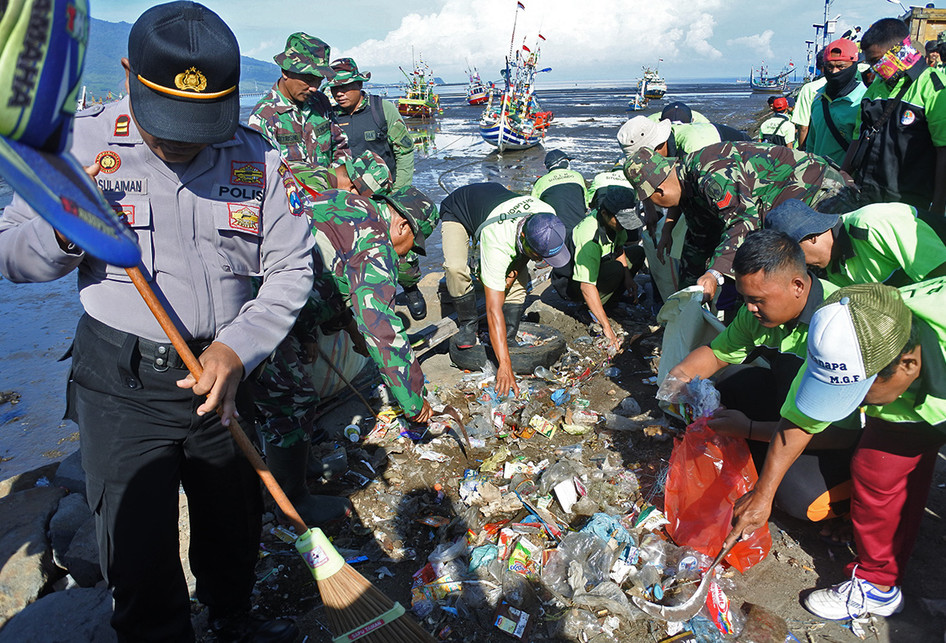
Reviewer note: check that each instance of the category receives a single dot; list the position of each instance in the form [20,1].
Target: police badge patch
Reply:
[109,161]
[244,217]
[246,173]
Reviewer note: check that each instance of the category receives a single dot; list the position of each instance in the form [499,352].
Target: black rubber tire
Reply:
[524,359]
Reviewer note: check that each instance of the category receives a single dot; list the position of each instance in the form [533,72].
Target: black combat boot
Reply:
[416,304]
[467,320]
[512,313]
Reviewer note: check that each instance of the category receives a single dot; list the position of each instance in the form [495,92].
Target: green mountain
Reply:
[108,44]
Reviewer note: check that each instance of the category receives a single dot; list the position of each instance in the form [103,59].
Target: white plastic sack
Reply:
[688,325]
[339,348]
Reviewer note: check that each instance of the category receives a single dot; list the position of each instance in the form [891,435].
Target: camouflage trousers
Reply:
[408,270]
[286,398]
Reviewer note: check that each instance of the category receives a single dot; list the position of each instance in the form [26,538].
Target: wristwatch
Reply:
[718,276]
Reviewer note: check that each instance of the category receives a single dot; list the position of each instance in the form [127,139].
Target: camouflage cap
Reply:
[646,170]
[421,213]
[346,71]
[306,54]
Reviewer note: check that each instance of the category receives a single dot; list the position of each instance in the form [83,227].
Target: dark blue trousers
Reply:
[141,443]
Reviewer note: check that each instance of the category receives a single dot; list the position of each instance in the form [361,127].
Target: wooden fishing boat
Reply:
[476,91]
[651,85]
[419,100]
[512,119]
[761,83]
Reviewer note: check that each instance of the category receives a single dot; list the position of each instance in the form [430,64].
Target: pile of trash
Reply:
[536,523]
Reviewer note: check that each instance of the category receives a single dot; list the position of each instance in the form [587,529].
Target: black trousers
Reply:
[141,441]
[818,484]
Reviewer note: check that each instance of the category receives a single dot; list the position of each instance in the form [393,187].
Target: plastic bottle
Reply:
[353,432]
[543,373]
[617,422]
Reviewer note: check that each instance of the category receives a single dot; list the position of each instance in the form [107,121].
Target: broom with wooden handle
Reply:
[356,609]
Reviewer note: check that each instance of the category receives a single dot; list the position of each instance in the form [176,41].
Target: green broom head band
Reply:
[319,554]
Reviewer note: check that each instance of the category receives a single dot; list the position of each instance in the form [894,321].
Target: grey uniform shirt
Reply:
[205,228]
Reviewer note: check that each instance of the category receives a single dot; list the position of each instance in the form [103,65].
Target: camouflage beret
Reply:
[369,174]
[346,71]
[306,54]
[646,170]
[421,213]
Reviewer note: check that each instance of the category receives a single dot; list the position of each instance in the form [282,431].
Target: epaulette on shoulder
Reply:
[94,110]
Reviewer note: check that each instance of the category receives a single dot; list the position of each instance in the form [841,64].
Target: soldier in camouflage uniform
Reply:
[372,123]
[360,240]
[724,191]
[286,397]
[295,117]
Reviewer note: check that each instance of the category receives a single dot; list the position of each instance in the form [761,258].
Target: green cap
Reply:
[346,71]
[421,213]
[306,54]
[369,174]
[646,170]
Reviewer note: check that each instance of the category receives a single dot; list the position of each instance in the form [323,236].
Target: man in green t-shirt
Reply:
[883,242]
[509,230]
[900,154]
[601,270]
[781,296]
[778,128]
[873,345]
[837,104]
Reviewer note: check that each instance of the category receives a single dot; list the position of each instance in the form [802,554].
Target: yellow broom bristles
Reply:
[352,604]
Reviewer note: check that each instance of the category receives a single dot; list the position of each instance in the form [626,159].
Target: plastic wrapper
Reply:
[445,552]
[708,473]
[609,596]
[589,558]
[606,527]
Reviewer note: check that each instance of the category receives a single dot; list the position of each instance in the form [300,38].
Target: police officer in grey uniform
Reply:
[211,206]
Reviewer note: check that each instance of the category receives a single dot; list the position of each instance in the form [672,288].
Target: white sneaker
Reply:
[853,599]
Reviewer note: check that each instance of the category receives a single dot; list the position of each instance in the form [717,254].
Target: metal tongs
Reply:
[689,608]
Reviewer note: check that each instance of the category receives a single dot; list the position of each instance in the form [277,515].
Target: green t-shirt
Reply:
[603,179]
[691,137]
[844,111]
[925,400]
[498,239]
[778,125]
[592,242]
[922,94]
[884,243]
[801,115]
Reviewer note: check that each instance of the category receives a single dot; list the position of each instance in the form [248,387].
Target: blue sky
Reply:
[585,39]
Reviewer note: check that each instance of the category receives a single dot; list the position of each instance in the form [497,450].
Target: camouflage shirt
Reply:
[729,187]
[306,136]
[352,234]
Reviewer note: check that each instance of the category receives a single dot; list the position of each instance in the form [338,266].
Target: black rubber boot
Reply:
[416,304]
[467,320]
[289,465]
[246,627]
[512,313]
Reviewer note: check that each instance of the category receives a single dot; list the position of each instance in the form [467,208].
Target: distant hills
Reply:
[108,44]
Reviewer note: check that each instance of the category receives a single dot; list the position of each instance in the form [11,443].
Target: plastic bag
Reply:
[708,473]
[687,325]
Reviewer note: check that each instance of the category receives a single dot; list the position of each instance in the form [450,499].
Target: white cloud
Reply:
[261,49]
[582,37]
[761,43]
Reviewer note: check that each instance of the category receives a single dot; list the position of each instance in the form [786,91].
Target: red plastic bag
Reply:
[708,473]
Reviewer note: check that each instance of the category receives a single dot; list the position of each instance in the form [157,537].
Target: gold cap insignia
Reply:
[191,80]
